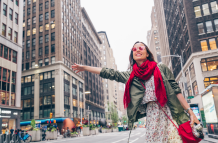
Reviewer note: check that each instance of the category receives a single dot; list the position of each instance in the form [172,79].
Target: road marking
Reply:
[142,135]
[134,140]
[126,138]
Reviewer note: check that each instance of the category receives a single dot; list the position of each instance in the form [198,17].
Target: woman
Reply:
[149,87]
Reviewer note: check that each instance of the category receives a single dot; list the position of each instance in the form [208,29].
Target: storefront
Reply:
[210,104]
[9,118]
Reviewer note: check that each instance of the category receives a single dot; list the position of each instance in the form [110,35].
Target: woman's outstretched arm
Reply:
[80,68]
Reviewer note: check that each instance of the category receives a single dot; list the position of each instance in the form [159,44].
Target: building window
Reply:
[189,91]
[40,40]
[216,24]
[197,11]
[46,50]
[40,51]
[34,31]
[28,11]
[40,63]
[192,70]
[28,43]
[23,23]
[52,25]
[52,13]
[195,88]
[40,17]
[4,9]
[34,20]
[52,60]
[52,3]
[210,80]
[27,55]
[46,5]
[10,33]
[28,2]
[16,18]
[33,42]
[28,33]
[209,64]
[209,26]
[204,46]
[41,28]
[11,14]
[33,53]
[212,43]
[33,65]
[14,58]
[205,9]
[41,7]
[46,38]
[201,28]
[28,21]
[214,7]
[46,26]
[4,30]
[46,61]
[53,36]
[17,2]
[34,9]
[46,16]
[53,48]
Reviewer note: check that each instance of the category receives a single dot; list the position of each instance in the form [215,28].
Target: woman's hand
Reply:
[78,68]
[193,118]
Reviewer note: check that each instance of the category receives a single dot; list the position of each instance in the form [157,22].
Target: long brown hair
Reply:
[132,61]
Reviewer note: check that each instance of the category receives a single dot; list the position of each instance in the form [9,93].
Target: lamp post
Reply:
[86,92]
[183,75]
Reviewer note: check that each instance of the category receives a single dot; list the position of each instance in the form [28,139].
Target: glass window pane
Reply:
[204,46]
[201,28]
[209,26]
[212,43]
[205,9]
[214,7]
[197,11]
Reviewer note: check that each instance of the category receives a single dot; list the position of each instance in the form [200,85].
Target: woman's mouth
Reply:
[138,55]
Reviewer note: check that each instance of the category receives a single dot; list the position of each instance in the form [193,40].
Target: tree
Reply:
[114,114]
[124,120]
[33,123]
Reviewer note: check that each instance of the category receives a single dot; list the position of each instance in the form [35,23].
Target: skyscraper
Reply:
[10,63]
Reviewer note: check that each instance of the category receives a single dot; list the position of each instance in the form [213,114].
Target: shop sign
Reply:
[5,116]
[6,112]
[15,113]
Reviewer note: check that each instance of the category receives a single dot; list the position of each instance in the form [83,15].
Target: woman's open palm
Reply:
[78,68]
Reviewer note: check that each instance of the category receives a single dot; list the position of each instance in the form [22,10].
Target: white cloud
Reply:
[124,21]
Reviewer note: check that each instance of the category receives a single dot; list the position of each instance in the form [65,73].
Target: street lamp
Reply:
[86,92]
[183,75]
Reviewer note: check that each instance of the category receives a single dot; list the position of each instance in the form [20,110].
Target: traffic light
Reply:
[125,121]
[51,115]
[47,122]
[82,118]
[54,121]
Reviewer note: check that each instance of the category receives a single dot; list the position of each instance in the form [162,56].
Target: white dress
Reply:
[159,129]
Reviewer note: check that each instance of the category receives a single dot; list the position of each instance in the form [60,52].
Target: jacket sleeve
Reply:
[114,75]
[169,75]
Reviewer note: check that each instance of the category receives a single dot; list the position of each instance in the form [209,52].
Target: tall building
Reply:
[120,99]
[162,31]
[110,87]
[191,29]
[153,37]
[53,40]
[92,57]
[11,16]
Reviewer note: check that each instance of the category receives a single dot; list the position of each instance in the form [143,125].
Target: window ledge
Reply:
[210,32]
[202,34]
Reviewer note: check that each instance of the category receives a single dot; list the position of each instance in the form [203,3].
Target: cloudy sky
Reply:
[124,21]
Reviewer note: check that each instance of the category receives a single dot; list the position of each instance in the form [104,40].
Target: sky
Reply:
[124,21]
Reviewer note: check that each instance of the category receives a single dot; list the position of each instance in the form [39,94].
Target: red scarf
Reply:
[144,72]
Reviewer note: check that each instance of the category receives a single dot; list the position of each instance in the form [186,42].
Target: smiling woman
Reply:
[150,91]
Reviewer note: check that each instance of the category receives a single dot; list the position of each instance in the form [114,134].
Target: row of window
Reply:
[41,4]
[210,80]
[209,64]
[208,26]
[6,80]
[4,98]
[40,63]
[67,77]
[206,9]
[40,28]
[5,11]
[195,89]
[211,42]
[47,87]
[4,31]
[8,53]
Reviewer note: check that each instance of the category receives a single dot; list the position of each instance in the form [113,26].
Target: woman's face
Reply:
[139,54]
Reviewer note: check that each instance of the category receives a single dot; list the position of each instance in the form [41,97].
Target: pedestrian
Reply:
[58,131]
[6,132]
[12,130]
[151,91]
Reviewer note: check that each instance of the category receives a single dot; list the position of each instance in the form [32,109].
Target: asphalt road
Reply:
[137,136]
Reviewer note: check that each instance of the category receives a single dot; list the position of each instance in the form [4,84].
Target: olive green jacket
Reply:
[137,92]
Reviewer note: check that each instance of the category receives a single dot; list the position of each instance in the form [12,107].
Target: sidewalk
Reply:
[206,138]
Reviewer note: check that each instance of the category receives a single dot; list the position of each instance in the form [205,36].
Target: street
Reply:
[137,136]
